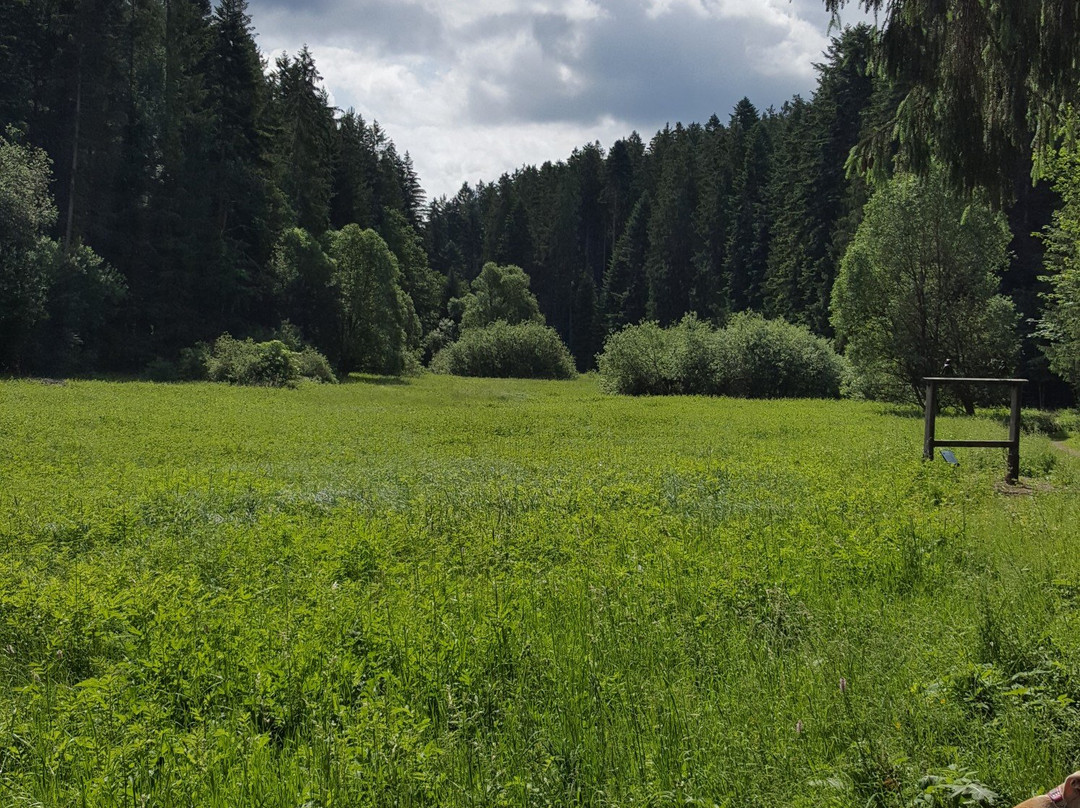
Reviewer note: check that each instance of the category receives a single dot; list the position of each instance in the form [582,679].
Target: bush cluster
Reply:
[751,358]
[269,364]
[265,364]
[526,350]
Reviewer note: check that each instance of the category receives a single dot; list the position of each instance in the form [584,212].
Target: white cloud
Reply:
[474,88]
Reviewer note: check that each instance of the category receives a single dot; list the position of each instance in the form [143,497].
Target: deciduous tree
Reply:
[379,330]
[918,286]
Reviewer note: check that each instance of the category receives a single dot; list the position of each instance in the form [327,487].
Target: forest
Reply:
[163,183]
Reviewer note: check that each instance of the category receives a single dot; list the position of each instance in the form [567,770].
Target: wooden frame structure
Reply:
[930,442]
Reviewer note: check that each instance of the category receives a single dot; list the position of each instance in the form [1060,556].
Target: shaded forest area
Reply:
[191,166]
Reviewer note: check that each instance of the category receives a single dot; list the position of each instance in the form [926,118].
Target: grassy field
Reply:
[467,592]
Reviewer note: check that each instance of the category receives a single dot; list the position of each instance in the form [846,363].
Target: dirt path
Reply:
[1060,444]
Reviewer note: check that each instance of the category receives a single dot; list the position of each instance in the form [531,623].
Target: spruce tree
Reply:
[305,138]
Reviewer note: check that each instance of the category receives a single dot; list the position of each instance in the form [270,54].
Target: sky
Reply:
[473,89]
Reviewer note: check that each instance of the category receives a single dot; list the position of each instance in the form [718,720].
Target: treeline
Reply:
[199,190]
[183,162]
[751,214]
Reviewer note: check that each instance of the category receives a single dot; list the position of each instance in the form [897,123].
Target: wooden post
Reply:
[1013,473]
[931,417]
[930,441]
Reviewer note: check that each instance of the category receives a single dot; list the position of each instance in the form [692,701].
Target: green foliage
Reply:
[954,789]
[26,212]
[185,158]
[439,337]
[303,279]
[918,286]
[982,85]
[84,295]
[1061,320]
[671,235]
[193,363]
[624,291]
[640,360]
[423,285]
[776,359]
[311,364]
[500,293]
[262,364]
[751,358]
[54,302]
[523,350]
[305,135]
[816,204]
[268,364]
[379,331]
[26,207]
[488,592]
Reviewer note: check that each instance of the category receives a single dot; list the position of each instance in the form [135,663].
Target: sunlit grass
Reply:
[474,592]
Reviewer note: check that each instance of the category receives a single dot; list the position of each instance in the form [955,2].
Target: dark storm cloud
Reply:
[474,88]
[388,26]
[676,66]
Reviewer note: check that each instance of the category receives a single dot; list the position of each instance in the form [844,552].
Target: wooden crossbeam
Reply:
[930,441]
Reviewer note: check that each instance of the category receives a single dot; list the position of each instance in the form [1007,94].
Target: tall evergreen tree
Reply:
[709,290]
[671,235]
[305,138]
[624,295]
[813,198]
[245,216]
[746,254]
[355,169]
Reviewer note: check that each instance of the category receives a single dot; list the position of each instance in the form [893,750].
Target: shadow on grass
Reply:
[380,381]
[1037,422]
[903,411]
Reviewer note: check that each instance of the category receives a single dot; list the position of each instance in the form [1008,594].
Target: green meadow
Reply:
[485,593]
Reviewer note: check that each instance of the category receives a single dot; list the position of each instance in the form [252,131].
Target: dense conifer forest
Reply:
[199,189]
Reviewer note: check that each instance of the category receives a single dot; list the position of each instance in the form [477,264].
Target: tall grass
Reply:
[469,592]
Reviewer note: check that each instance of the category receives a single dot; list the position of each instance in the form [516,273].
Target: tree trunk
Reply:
[70,224]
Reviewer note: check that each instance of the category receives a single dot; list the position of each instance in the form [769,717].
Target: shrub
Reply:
[269,364]
[235,361]
[751,358]
[638,361]
[700,355]
[313,365]
[526,350]
[775,359]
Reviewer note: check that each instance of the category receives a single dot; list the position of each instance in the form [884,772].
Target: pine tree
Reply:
[355,169]
[708,295]
[748,235]
[305,138]
[245,219]
[671,235]
[624,295]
